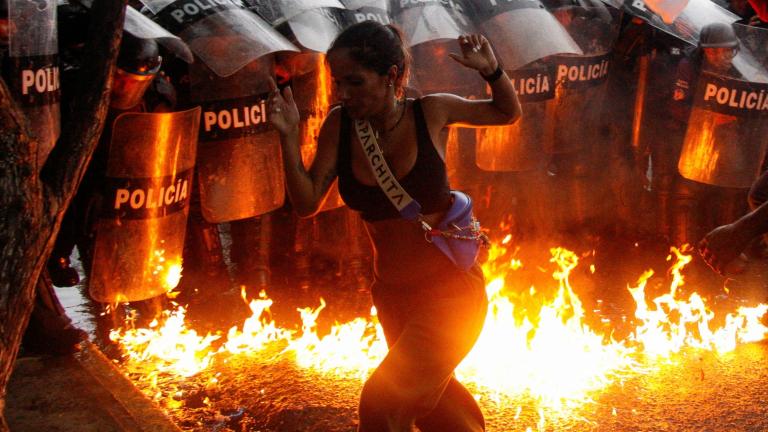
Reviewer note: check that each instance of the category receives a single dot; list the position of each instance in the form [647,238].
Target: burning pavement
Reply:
[552,356]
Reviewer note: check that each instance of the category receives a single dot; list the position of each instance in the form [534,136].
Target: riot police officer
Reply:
[703,197]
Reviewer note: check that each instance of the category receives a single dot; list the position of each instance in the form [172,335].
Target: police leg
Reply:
[663,186]
[500,204]
[357,256]
[686,212]
[733,205]
[85,237]
[572,177]
[205,273]
[582,192]
[630,193]
[50,331]
[77,229]
[664,176]
[758,194]
[536,205]
[302,248]
[250,250]
[59,268]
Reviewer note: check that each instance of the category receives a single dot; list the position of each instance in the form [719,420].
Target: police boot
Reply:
[250,250]
[145,311]
[62,274]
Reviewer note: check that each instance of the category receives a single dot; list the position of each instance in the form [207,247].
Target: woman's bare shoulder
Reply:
[332,122]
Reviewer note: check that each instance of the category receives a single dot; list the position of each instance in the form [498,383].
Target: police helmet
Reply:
[138,56]
[718,35]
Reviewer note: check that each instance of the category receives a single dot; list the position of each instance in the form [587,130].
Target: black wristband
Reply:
[494,75]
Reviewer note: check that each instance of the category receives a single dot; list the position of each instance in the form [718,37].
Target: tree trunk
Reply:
[32,204]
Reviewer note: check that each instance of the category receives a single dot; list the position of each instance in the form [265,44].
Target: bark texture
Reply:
[32,203]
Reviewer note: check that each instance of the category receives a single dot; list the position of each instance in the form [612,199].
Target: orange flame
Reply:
[349,350]
[318,111]
[513,355]
[172,347]
[669,326]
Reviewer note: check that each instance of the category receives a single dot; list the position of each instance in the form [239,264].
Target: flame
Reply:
[351,350]
[173,275]
[700,156]
[171,347]
[527,334]
[258,329]
[317,111]
[523,356]
[675,323]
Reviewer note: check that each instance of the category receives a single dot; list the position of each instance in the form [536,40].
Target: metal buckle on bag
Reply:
[427,229]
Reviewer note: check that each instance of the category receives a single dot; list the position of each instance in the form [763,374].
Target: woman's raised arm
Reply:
[306,189]
[503,108]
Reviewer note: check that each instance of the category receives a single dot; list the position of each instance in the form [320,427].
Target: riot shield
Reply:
[239,165]
[32,72]
[688,23]
[313,95]
[572,115]
[356,11]
[725,141]
[222,33]
[278,12]
[143,28]
[310,24]
[433,71]
[140,232]
[509,24]
[519,147]
[429,20]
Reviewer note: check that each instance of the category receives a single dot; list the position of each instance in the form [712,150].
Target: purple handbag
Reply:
[458,235]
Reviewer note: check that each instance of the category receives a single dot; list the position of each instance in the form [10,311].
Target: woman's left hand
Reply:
[476,53]
[283,113]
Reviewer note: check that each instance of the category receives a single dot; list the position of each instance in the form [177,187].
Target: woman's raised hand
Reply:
[476,53]
[283,113]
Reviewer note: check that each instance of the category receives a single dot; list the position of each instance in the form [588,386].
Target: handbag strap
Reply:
[408,207]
